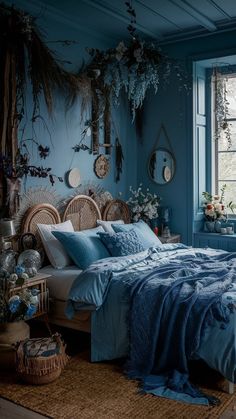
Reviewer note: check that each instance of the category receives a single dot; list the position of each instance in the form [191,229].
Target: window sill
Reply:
[215,241]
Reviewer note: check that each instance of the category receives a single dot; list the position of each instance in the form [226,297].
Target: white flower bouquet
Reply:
[214,207]
[143,205]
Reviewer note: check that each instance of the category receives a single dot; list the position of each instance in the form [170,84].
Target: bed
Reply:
[83,212]
[116,283]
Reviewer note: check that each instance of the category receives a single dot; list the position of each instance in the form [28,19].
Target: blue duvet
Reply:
[161,308]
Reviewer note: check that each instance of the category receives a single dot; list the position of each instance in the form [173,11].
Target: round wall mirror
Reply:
[161,166]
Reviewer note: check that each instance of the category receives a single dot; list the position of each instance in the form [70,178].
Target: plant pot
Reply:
[217,226]
[210,226]
[10,334]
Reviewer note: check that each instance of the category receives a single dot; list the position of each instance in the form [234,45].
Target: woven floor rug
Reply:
[101,391]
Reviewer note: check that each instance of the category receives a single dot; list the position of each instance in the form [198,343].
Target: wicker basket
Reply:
[41,379]
[40,361]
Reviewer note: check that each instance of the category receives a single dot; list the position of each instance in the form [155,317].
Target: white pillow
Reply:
[53,248]
[106,225]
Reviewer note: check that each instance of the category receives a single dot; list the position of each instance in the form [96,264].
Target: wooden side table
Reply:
[39,282]
[174,238]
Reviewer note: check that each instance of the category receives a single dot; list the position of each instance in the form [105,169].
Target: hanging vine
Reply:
[221,107]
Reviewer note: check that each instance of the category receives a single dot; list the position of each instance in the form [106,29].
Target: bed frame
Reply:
[83,212]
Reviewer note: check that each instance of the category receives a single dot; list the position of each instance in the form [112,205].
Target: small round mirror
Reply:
[161,166]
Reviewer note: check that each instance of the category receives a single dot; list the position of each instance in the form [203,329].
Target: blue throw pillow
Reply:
[84,247]
[123,243]
[145,234]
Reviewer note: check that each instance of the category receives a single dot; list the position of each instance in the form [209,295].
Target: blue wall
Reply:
[66,128]
[170,106]
[174,108]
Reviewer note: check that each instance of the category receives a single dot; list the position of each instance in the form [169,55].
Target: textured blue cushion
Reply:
[84,247]
[145,234]
[123,243]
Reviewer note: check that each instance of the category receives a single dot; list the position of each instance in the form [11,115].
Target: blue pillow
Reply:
[123,243]
[145,234]
[84,247]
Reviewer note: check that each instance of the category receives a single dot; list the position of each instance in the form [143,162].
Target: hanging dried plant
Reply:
[221,106]
[24,57]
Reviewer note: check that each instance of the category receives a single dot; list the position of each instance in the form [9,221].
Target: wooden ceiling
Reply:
[163,20]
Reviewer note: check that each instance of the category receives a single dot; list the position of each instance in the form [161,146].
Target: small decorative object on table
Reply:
[40,361]
[166,232]
[215,210]
[143,205]
[173,238]
[7,229]
[30,260]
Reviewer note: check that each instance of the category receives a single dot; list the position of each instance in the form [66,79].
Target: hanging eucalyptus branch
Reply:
[221,107]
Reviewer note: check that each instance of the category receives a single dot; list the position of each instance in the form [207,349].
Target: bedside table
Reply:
[174,238]
[39,282]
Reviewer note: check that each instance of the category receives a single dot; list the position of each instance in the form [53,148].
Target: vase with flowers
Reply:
[215,210]
[143,204]
[18,302]
[16,306]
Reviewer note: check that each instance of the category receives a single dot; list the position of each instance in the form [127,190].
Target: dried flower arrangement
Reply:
[26,60]
[133,67]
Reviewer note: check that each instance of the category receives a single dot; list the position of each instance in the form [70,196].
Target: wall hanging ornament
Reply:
[73,178]
[119,159]
[101,166]
[34,196]
[26,60]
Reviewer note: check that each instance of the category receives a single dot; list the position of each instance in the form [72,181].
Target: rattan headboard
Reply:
[83,212]
[39,214]
[116,210]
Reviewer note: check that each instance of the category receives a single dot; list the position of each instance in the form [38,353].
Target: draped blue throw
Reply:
[170,309]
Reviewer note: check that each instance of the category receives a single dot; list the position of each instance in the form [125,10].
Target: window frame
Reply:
[229,71]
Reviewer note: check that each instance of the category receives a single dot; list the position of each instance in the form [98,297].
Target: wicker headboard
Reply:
[39,214]
[116,210]
[83,212]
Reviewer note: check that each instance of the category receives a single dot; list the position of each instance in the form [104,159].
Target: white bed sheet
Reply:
[61,280]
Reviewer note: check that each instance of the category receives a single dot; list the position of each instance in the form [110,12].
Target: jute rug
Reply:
[101,391]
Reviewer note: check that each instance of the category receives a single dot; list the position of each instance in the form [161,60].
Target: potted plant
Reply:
[215,210]
[14,310]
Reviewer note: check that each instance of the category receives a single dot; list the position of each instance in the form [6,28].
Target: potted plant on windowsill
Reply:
[215,210]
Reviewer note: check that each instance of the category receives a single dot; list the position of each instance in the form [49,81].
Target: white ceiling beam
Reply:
[203,20]
[119,16]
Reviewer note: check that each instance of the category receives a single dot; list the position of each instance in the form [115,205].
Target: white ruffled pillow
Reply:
[53,248]
[106,225]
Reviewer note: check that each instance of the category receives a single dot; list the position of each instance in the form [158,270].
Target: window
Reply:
[224,135]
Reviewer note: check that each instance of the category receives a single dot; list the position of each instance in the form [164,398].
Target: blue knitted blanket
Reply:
[169,311]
